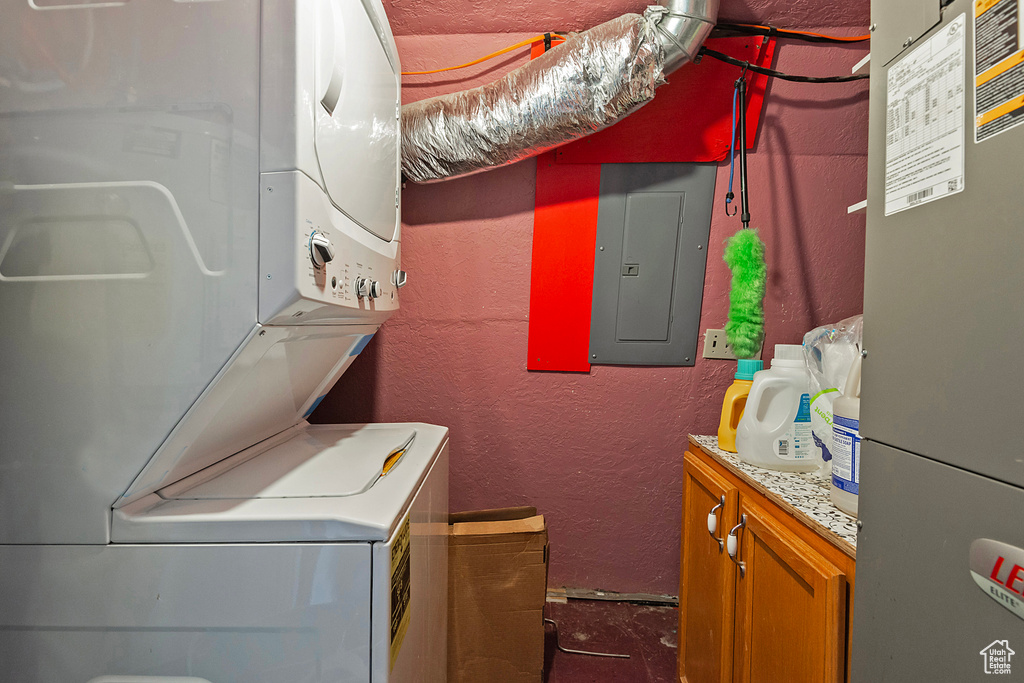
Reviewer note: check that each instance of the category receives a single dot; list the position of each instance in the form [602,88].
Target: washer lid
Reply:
[310,483]
[314,462]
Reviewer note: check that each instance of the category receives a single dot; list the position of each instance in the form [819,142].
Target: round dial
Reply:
[321,251]
[365,287]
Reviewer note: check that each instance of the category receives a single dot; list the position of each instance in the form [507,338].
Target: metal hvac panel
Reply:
[652,233]
[898,25]
[918,613]
[943,304]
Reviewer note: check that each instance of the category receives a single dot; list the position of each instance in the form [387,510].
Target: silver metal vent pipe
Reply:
[587,83]
[682,28]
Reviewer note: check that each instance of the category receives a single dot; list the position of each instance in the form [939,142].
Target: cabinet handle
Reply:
[734,543]
[713,523]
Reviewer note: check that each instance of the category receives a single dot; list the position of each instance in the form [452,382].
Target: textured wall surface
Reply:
[417,17]
[601,454]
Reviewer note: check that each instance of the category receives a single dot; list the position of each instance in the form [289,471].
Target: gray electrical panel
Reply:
[652,234]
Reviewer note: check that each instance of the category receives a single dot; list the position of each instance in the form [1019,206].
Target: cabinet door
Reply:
[790,606]
[706,585]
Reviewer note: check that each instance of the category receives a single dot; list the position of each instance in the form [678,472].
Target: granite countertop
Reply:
[807,493]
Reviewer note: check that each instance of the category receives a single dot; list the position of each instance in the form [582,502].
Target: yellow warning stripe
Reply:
[982,6]
[1000,68]
[1002,110]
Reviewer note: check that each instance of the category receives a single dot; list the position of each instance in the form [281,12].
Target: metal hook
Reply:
[728,200]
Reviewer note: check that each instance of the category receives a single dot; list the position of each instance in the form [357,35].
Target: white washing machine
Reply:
[199,232]
[293,561]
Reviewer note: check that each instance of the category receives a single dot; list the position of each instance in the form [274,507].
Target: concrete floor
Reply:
[646,633]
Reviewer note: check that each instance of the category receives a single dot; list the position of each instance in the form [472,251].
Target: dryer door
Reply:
[357,115]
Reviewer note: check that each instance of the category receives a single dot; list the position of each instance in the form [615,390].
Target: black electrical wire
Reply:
[778,74]
[725,29]
[741,89]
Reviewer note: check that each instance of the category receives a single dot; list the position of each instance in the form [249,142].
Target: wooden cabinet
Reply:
[790,605]
[705,615]
[777,611]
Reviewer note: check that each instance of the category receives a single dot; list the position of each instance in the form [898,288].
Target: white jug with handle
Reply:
[775,431]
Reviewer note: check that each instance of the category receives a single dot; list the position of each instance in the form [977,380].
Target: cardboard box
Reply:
[497,586]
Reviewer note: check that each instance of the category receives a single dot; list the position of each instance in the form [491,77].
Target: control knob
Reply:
[321,251]
[365,287]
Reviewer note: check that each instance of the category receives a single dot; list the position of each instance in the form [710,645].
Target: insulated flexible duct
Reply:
[587,83]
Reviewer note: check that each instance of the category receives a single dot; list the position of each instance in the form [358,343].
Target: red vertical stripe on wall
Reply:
[562,272]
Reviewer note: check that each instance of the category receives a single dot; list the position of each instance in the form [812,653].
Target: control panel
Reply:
[317,264]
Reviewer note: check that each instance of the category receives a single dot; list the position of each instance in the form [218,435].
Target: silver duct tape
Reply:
[587,83]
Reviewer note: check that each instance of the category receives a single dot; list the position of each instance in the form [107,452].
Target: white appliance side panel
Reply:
[223,613]
[294,290]
[129,237]
[421,655]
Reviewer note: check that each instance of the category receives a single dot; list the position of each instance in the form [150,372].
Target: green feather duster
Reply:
[744,254]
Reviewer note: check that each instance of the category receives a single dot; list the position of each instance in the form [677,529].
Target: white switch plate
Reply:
[717,346]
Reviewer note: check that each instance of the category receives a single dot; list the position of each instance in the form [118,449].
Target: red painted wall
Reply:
[599,454]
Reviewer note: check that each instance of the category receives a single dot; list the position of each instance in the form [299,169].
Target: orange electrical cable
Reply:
[521,43]
[530,41]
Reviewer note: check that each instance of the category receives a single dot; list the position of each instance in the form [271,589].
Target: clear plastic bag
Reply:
[829,352]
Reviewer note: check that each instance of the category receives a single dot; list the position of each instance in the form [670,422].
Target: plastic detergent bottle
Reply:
[735,400]
[846,443]
[775,430]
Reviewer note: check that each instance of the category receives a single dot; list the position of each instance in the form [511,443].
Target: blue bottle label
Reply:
[803,413]
[846,454]
[797,443]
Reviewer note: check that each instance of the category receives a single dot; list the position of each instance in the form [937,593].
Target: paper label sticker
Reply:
[401,589]
[797,443]
[998,67]
[846,454]
[924,130]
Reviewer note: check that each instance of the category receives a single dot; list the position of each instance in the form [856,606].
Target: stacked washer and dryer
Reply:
[199,232]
